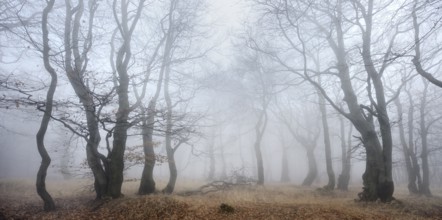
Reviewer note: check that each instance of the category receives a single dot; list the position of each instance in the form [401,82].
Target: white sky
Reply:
[228,13]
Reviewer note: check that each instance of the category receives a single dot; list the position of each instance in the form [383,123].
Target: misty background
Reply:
[230,66]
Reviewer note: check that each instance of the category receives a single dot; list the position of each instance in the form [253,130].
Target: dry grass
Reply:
[18,200]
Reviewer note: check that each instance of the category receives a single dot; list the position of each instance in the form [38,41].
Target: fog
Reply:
[312,93]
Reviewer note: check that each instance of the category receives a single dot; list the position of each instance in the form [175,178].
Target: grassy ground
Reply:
[18,200]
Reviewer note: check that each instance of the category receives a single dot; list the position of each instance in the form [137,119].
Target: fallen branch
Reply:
[214,186]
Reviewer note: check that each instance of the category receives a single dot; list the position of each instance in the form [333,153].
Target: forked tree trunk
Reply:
[147,184]
[124,54]
[378,179]
[75,66]
[49,204]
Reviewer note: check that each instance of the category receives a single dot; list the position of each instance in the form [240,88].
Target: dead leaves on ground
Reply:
[222,206]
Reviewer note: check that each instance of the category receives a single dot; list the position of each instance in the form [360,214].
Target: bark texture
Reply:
[48,202]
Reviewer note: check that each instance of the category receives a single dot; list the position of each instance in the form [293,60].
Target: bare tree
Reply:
[126,20]
[147,184]
[307,136]
[263,85]
[292,18]
[75,63]
[49,204]
[383,177]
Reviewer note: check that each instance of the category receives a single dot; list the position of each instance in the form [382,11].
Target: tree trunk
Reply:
[120,137]
[425,188]
[344,177]
[211,159]
[49,204]
[147,184]
[412,188]
[377,178]
[381,152]
[259,163]
[312,167]
[172,167]
[75,69]
[168,139]
[411,151]
[328,160]
[260,128]
[124,54]
[284,166]
[376,185]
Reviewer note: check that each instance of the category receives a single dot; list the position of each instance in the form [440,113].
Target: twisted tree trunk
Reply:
[49,204]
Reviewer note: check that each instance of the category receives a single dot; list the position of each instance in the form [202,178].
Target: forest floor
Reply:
[74,200]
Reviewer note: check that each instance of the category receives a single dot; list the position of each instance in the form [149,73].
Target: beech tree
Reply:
[75,64]
[49,204]
[261,82]
[306,132]
[295,21]
[426,24]
[180,123]
[126,19]
[179,29]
